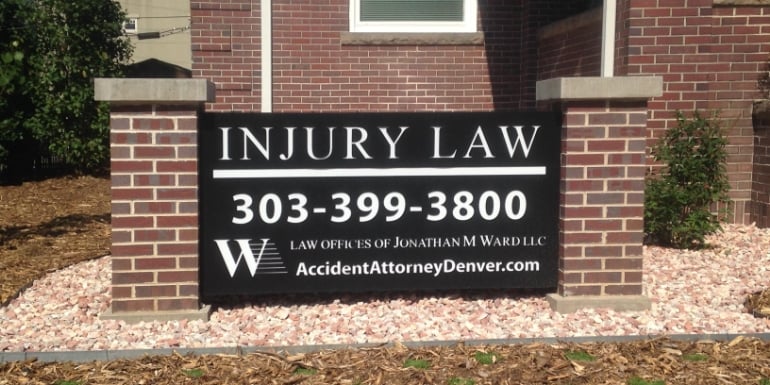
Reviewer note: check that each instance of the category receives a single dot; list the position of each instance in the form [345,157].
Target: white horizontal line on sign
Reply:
[376,172]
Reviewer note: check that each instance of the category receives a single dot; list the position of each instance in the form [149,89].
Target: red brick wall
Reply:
[315,71]
[226,49]
[154,208]
[571,47]
[710,58]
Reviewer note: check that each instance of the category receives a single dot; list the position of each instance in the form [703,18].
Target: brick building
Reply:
[600,66]
[711,55]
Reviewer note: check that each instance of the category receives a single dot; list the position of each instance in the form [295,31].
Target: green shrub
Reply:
[693,182]
[50,52]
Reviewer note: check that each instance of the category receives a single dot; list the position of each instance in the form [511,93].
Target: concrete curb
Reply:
[107,355]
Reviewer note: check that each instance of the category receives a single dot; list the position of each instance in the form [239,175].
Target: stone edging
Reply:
[106,355]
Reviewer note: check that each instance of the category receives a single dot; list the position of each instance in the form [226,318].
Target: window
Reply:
[131,26]
[413,15]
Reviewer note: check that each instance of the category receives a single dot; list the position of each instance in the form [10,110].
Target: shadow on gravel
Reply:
[314,299]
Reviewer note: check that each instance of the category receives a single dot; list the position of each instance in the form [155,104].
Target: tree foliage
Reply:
[14,69]
[50,52]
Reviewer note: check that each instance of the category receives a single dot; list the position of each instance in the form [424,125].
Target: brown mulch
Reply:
[50,224]
[661,361]
[759,303]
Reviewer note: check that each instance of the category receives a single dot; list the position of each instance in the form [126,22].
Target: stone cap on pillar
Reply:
[151,91]
[599,88]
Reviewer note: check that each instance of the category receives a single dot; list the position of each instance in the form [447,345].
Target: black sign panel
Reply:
[377,201]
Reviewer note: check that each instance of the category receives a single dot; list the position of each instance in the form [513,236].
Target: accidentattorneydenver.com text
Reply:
[447,266]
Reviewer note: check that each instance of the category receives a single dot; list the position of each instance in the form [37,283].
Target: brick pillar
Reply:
[154,170]
[602,189]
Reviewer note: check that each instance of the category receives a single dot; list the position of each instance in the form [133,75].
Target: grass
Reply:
[67,382]
[302,371]
[416,363]
[695,357]
[193,373]
[460,381]
[486,358]
[764,381]
[641,381]
[579,355]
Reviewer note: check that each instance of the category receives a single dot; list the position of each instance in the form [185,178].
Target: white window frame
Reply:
[135,22]
[468,25]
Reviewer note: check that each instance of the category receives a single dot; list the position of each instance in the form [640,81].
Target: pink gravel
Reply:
[693,292]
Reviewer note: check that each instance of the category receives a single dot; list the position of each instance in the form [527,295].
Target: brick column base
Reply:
[154,171]
[602,190]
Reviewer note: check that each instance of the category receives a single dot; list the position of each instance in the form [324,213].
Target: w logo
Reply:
[261,257]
